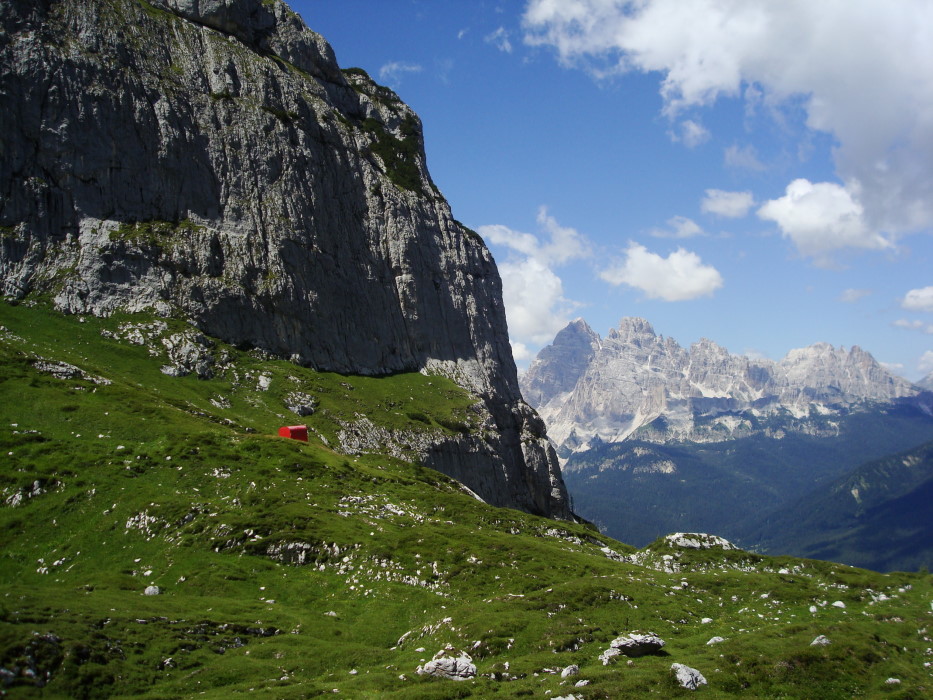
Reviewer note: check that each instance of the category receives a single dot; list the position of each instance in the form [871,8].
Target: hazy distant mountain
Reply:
[739,488]
[926,382]
[877,516]
[657,438]
[635,381]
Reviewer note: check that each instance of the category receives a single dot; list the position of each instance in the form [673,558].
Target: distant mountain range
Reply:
[655,438]
[636,383]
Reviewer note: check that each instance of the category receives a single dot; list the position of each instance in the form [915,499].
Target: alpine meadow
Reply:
[263,433]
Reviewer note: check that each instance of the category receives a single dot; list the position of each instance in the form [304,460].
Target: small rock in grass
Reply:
[715,640]
[152,590]
[893,681]
[571,670]
[820,641]
[687,677]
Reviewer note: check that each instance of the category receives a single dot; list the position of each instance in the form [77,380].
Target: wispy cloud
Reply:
[678,227]
[926,362]
[731,205]
[690,133]
[500,39]
[913,325]
[743,158]
[850,296]
[392,73]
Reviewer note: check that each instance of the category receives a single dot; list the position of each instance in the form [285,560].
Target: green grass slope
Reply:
[290,570]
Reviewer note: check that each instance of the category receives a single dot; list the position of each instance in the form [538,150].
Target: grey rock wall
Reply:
[208,159]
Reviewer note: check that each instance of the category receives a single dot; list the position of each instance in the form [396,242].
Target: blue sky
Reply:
[758,172]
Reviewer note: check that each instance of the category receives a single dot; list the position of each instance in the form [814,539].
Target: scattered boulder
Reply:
[571,670]
[300,403]
[687,677]
[152,590]
[459,668]
[715,640]
[637,644]
[64,371]
[608,655]
[820,641]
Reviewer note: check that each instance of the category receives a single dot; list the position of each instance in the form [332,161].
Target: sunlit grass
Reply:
[146,482]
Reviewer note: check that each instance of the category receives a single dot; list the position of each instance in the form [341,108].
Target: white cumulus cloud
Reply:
[821,217]
[731,205]
[533,293]
[861,70]
[918,299]
[680,276]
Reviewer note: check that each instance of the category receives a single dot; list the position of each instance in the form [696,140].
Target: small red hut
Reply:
[295,432]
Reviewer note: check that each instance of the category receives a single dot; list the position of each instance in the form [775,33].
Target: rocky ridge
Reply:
[926,382]
[605,389]
[209,160]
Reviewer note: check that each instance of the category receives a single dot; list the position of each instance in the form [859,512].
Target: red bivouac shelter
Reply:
[295,432]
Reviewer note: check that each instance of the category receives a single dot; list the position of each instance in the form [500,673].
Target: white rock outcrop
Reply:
[687,677]
[454,668]
[698,540]
[633,644]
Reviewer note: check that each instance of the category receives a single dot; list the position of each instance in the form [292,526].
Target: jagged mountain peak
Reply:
[577,327]
[633,326]
[557,367]
[636,377]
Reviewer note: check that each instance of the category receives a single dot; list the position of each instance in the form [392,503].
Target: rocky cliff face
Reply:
[208,159]
[590,388]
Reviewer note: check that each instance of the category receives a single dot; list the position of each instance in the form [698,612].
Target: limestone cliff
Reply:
[208,159]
